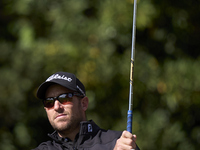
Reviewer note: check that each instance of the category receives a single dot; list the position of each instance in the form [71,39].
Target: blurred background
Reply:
[92,39]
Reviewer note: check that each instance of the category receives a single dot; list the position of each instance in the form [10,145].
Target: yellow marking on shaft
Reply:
[132,71]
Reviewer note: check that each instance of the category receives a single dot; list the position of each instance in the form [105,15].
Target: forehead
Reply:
[55,90]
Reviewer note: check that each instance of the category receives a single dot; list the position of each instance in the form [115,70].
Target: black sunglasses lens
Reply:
[49,102]
[65,98]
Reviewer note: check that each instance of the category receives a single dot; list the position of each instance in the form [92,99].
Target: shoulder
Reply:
[45,146]
[107,136]
[104,139]
[111,134]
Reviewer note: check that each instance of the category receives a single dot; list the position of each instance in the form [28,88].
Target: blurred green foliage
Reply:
[93,40]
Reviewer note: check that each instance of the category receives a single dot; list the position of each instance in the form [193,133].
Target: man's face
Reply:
[65,118]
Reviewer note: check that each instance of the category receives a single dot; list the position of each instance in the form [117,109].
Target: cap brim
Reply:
[45,85]
[42,89]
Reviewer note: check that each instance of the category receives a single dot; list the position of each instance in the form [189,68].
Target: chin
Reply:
[60,125]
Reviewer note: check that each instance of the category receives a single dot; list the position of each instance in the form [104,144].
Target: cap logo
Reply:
[57,76]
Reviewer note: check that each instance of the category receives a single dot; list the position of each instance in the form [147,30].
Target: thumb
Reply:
[126,134]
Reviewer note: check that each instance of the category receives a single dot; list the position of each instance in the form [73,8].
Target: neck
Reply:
[71,134]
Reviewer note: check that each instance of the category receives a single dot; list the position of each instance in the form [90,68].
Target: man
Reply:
[66,103]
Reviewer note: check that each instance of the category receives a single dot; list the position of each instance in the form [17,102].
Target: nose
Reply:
[57,105]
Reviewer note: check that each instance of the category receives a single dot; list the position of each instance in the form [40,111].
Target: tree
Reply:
[93,40]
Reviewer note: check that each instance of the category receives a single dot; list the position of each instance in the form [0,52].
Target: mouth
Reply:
[60,116]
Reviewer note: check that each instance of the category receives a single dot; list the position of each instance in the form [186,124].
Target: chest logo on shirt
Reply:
[89,128]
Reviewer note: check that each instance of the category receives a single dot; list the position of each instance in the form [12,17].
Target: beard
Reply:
[67,124]
[64,125]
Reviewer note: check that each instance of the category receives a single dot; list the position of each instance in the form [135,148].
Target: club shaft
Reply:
[130,113]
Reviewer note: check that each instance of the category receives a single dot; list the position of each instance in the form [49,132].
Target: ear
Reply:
[84,103]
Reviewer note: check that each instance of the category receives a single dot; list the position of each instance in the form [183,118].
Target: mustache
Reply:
[61,114]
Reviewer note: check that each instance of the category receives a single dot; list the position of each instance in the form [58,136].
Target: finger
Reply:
[127,134]
[131,141]
[134,137]
[129,144]
[124,144]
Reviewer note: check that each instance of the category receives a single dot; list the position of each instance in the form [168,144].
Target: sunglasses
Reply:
[63,99]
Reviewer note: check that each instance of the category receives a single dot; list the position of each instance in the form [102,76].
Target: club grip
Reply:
[129,120]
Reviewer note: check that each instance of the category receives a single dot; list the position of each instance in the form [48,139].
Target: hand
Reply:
[126,141]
